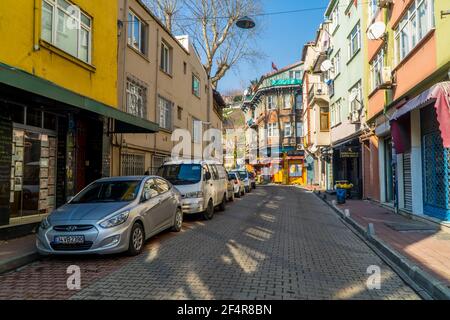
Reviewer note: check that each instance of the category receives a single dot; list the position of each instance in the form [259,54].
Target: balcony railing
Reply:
[318,90]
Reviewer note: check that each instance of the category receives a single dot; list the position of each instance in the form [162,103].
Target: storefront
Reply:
[430,131]
[50,149]
[347,165]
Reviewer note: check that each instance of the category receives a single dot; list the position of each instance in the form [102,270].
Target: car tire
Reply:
[137,239]
[223,204]
[178,223]
[209,212]
[232,197]
[237,195]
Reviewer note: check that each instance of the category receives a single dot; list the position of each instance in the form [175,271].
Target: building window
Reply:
[270,103]
[335,18]
[336,65]
[287,101]
[324,119]
[165,113]
[197,131]
[132,164]
[195,85]
[65,26]
[336,113]
[415,24]
[299,101]
[179,112]
[137,30]
[299,130]
[354,41]
[272,129]
[287,130]
[295,74]
[166,58]
[136,99]
[376,69]
[355,99]
[373,8]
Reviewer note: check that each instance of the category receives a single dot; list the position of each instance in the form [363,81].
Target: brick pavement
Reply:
[275,243]
[428,249]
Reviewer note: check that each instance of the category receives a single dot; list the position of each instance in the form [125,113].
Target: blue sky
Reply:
[282,40]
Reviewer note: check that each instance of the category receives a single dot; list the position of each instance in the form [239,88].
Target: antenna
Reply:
[376,31]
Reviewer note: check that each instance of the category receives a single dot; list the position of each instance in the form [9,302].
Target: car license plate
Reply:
[69,239]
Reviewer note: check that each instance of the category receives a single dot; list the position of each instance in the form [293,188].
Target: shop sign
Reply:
[349,153]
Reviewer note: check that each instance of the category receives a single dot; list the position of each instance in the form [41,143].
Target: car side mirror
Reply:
[147,195]
[208,176]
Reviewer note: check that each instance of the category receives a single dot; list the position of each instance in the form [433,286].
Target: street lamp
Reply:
[245,23]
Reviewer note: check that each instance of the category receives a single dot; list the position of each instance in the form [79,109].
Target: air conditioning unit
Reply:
[385,3]
[354,117]
[386,77]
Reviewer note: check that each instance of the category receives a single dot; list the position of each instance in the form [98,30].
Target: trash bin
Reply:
[341,194]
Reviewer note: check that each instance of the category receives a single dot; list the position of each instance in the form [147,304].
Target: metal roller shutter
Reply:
[407,182]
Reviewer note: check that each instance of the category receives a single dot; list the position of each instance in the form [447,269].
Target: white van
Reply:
[202,184]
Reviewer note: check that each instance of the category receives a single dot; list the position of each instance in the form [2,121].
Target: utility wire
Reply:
[351,2]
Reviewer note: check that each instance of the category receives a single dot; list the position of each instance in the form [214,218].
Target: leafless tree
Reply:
[212,26]
[166,10]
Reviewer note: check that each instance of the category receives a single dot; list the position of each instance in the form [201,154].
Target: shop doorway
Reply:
[33,172]
[389,172]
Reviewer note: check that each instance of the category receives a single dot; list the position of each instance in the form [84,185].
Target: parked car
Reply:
[252,178]
[230,190]
[202,184]
[238,186]
[245,178]
[112,215]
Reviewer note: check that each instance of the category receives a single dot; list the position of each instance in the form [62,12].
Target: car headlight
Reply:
[45,224]
[198,194]
[115,220]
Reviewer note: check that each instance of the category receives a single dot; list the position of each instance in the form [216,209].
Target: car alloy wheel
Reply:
[178,221]
[137,239]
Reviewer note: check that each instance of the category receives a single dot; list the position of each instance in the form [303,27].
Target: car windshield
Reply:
[231,176]
[181,174]
[109,191]
[242,174]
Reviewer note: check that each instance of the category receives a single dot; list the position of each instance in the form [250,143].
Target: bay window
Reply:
[66,27]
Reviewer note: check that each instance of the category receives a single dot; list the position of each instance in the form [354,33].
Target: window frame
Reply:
[405,24]
[355,33]
[143,112]
[142,47]
[167,105]
[194,92]
[165,64]
[376,69]
[287,125]
[80,26]
[322,113]
[272,128]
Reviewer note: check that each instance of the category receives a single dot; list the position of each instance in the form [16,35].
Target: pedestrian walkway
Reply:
[16,252]
[424,244]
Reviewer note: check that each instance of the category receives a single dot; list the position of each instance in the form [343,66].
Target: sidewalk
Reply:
[424,245]
[17,252]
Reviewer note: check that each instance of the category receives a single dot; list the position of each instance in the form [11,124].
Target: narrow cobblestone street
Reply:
[275,243]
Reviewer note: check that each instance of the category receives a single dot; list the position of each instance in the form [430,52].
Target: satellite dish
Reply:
[376,30]
[326,65]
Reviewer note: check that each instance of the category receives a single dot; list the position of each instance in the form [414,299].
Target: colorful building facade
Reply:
[408,108]
[58,97]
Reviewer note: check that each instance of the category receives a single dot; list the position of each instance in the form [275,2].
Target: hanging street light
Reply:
[245,23]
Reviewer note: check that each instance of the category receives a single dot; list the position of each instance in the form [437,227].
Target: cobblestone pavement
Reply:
[275,243]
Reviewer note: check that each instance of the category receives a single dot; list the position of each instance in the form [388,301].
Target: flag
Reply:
[274,67]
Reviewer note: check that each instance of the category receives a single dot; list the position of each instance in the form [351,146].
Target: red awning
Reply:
[440,95]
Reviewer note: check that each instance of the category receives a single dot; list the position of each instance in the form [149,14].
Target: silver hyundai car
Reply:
[112,215]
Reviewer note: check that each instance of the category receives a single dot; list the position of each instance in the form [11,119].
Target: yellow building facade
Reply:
[58,102]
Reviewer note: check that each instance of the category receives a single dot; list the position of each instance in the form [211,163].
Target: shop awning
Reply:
[440,95]
[124,122]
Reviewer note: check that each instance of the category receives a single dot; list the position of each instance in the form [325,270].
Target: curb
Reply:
[432,287]
[17,262]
